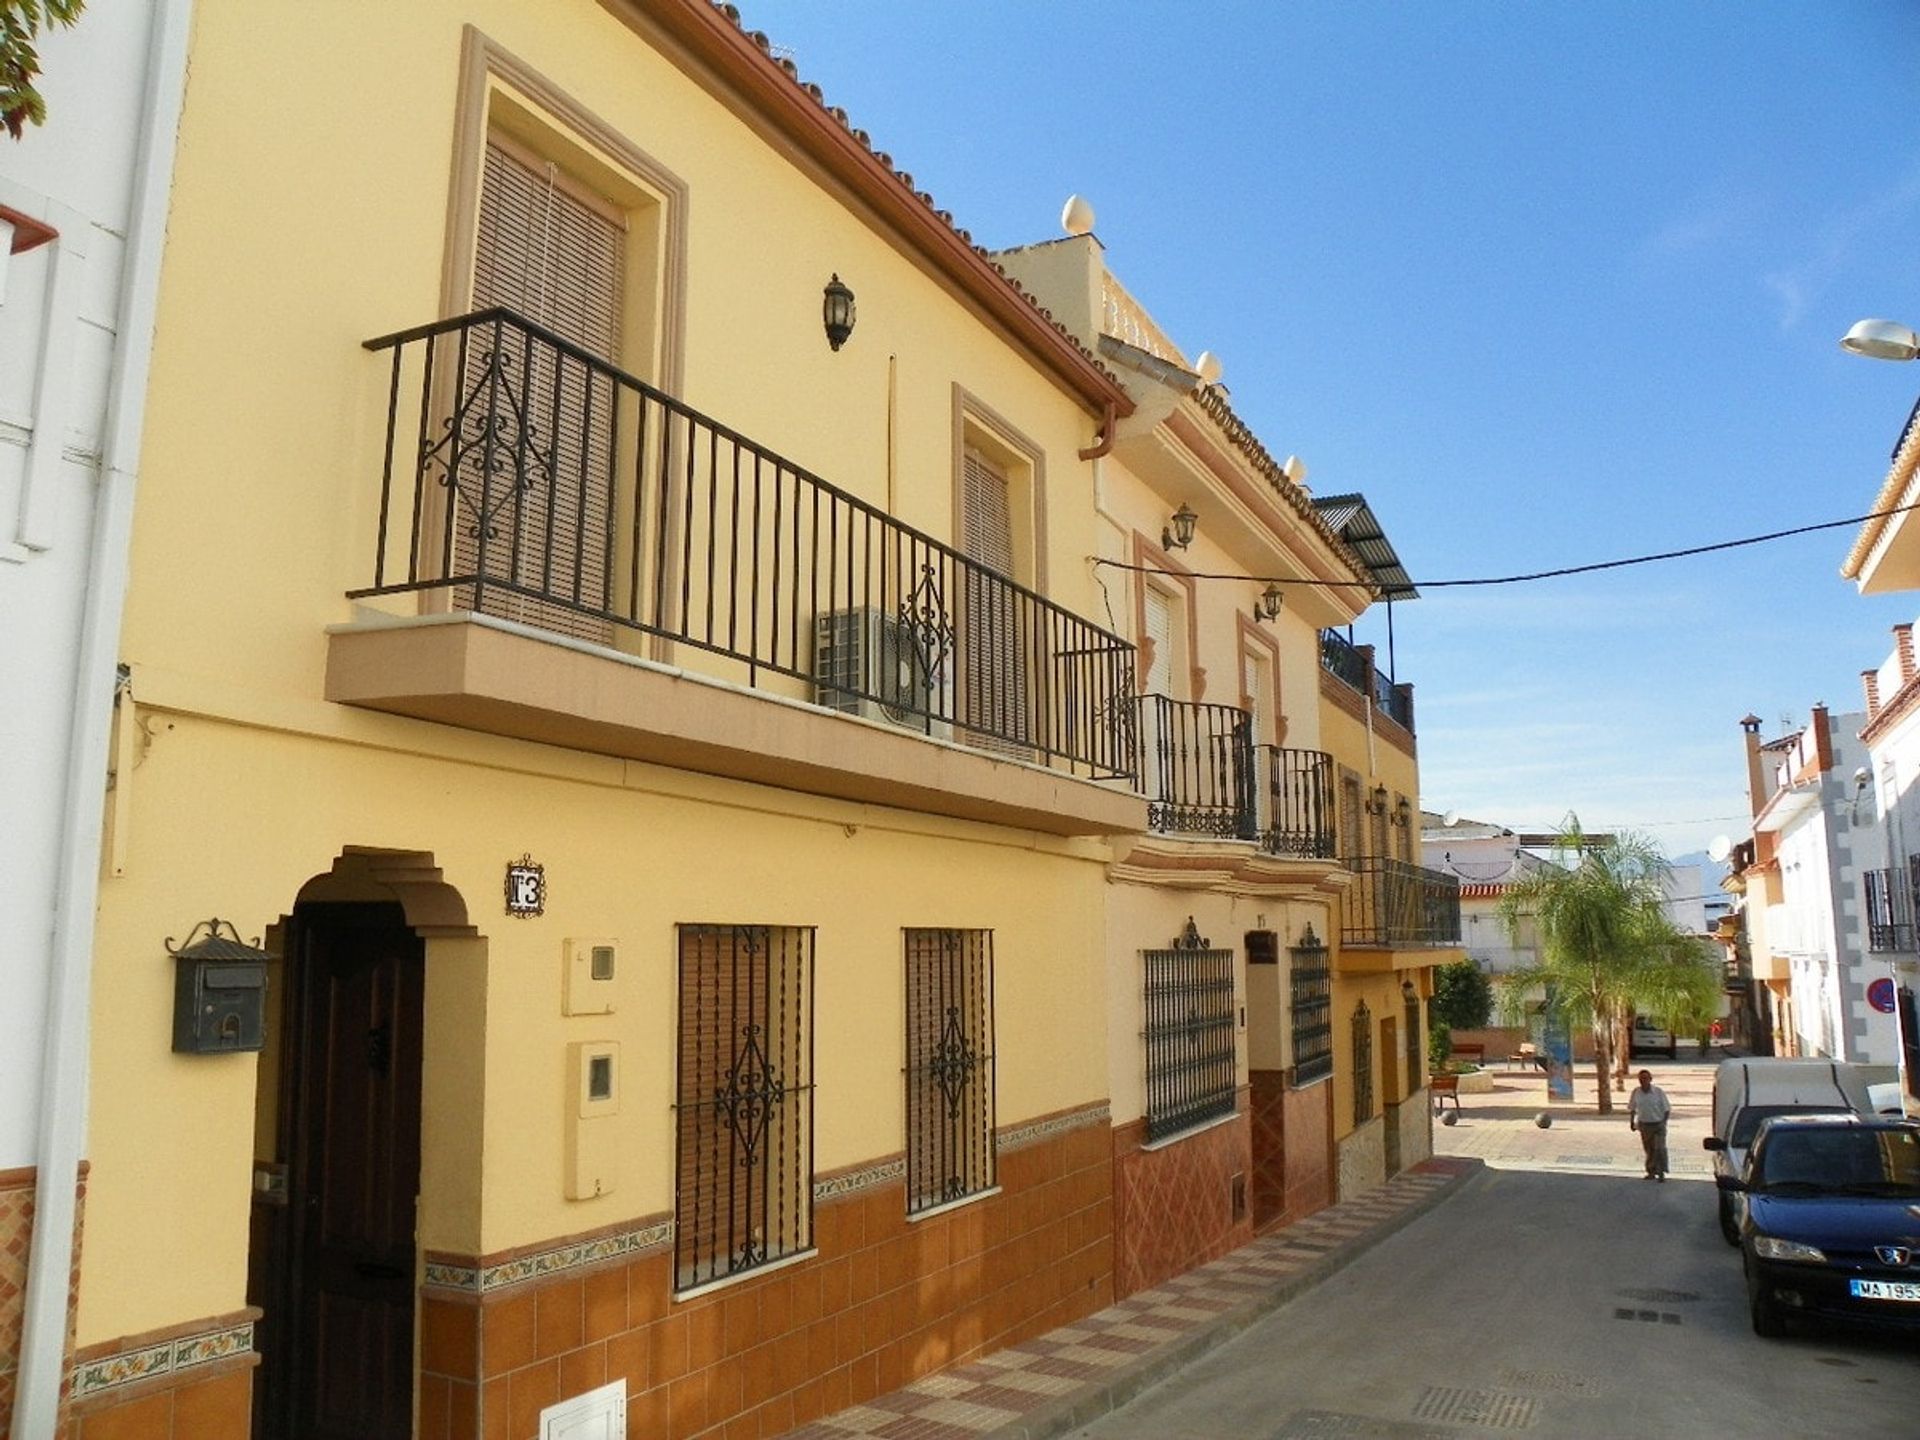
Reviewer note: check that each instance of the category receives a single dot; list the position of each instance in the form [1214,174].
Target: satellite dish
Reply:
[1450,819]
[1719,849]
[1295,469]
[1207,367]
[1076,217]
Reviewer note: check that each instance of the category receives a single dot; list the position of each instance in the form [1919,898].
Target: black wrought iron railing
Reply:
[1393,701]
[1353,666]
[1189,1036]
[1311,1003]
[1343,660]
[744,1104]
[1196,767]
[1362,1038]
[1889,913]
[1298,815]
[526,479]
[1397,904]
[950,1151]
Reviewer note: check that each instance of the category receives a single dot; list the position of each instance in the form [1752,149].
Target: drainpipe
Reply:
[1103,442]
[63,1086]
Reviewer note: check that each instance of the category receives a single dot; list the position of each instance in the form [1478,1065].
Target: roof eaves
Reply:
[1894,493]
[1240,435]
[712,31]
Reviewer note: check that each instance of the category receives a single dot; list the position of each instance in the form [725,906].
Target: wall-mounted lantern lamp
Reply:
[1268,606]
[1377,801]
[1403,813]
[1407,992]
[836,312]
[219,991]
[1177,534]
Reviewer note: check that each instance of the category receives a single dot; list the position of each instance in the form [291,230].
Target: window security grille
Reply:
[1189,1034]
[949,1066]
[744,1183]
[1312,1009]
[1362,1065]
[1413,1043]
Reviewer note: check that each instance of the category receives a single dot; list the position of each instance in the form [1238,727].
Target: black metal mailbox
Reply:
[219,991]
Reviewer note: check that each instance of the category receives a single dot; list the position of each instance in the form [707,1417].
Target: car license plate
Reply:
[1883,1290]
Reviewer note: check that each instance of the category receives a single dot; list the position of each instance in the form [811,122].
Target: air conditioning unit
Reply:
[866,663]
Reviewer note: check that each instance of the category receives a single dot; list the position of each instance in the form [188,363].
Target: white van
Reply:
[1747,1091]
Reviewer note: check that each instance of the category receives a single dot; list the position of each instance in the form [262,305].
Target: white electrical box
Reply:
[597,1415]
[591,968]
[593,1100]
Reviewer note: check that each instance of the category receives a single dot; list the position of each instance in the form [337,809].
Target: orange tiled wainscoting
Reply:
[1173,1206]
[1292,1149]
[16,1242]
[882,1302]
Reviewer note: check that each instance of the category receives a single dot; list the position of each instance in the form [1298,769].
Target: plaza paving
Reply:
[1500,1128]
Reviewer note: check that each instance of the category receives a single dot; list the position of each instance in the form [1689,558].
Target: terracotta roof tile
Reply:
[813,92]
[1240,435]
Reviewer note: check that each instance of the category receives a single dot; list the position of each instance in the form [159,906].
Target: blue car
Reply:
[1829,1220]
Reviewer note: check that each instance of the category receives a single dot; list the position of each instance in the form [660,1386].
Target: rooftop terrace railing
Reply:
[524,478]
[1353,666]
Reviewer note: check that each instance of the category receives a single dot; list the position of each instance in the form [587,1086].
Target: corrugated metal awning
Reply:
[1353,520]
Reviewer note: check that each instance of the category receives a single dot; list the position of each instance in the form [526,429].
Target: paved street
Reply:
[1557,1294]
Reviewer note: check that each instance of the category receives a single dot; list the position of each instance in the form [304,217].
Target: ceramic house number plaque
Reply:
[526,888]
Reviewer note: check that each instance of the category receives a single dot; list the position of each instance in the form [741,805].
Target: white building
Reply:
[1487,857]
[82,218]
[1821,815]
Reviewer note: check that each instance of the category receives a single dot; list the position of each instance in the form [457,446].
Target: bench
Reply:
[1441,1087]
[1470,1051]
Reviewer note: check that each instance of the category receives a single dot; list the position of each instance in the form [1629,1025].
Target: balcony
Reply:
[564,553]
[1395,905]
[1889,913]
[1353,666]
[1297,820]
[1196,768]
[1202,775]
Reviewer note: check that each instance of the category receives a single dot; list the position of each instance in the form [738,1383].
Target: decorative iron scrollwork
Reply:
[953,1063]
[485,442]
[1190,938]
[924,620]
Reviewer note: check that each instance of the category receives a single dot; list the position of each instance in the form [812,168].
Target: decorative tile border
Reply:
[864,1177]
[1016,1137]
[166,1357]
[557,1260]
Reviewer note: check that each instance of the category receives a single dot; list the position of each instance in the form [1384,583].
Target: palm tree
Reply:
[1606,944]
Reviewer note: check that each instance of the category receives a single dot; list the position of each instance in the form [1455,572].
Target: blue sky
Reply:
[1550,283]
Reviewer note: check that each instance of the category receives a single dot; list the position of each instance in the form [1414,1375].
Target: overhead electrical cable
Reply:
[1555,574]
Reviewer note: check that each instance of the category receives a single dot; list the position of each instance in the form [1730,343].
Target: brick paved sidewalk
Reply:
[1073,1375]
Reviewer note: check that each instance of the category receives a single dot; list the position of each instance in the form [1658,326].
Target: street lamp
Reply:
[1881,340]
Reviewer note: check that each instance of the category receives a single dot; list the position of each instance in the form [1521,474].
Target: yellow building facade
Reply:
[636,767]
[1399,920]
[683,837]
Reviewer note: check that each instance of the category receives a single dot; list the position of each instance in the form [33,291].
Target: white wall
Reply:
[56,348]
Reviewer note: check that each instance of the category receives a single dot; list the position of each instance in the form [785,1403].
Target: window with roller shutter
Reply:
[995,704]
[744,1114]
[950,1152]
[533,513]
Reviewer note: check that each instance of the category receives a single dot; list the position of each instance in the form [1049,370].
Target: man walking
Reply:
[1647,1112]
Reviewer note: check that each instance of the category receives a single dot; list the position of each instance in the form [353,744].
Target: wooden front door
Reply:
[343,1362]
